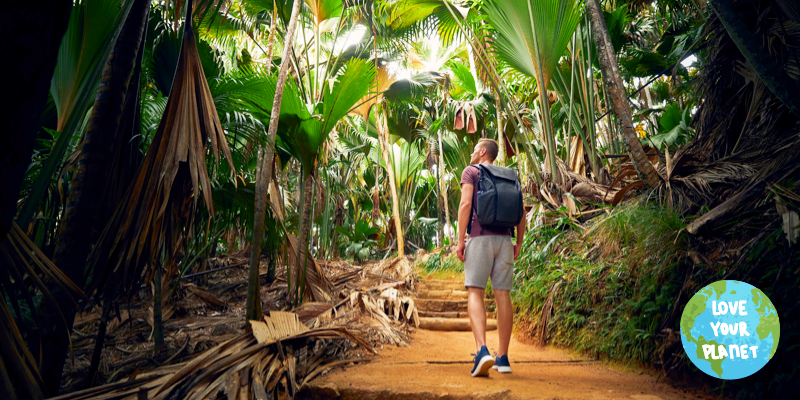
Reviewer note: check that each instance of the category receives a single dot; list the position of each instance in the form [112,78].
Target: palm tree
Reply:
[531,36]
[264,173]
[79,66]
[81,223]
[305,135]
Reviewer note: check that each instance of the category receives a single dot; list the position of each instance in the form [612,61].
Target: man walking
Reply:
[489,252]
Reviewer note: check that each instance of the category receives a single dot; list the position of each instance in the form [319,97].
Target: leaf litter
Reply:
[211,353]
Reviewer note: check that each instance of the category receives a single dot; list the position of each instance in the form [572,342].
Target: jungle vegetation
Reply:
[145,137]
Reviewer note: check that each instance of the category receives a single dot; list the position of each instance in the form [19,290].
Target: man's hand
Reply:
[517,248]
[460,250]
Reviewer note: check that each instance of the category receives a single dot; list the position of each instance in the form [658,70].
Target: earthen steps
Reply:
[433,284]
[442,306]
[447,305]
[448,294]
[452,324]
[450,314]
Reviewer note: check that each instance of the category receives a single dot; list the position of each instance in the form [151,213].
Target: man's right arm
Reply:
[464,215]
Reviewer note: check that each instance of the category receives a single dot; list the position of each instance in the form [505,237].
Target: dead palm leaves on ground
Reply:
[371,308]
[374,300]
[273,357]
[157,206]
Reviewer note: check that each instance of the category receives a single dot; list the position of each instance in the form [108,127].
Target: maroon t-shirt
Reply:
[471,175]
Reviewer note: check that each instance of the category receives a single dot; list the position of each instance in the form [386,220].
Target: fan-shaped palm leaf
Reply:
[518,23]
[304,134]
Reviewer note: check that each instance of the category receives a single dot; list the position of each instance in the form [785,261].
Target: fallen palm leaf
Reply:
[270,358]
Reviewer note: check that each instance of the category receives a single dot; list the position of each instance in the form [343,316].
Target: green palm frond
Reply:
[407,90]
[464,78]
[324,9]
[517,23]
[302,134]
[348,88]
[90,25]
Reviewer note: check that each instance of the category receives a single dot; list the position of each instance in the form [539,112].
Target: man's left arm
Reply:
[520,234]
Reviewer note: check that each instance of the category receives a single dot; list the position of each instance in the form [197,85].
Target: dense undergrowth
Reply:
[618,284]
[612,285]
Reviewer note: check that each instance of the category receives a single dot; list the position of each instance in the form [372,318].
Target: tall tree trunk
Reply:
[439,199]
[616,90]
[303,235]
[383,134]
[443,185]
[25,26]
[98,343]
[158,302]
[265,171]
[501,145]
[80,220]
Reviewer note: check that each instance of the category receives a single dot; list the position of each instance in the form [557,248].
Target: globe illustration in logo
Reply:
[730,329]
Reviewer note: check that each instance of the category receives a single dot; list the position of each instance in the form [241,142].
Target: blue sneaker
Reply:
[483,362]
[502,365]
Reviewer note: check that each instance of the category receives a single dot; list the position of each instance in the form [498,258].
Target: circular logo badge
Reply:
[730,329]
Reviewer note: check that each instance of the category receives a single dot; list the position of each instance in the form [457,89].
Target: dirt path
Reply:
[407,373]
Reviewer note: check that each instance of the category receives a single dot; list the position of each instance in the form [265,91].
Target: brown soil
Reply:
[538,373]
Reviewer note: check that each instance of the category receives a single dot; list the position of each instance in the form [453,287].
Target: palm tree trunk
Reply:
[501,144]
[98,343]
[253,310]
[307,196]
[80,222]
[616,90]
[158,324]
[382,139]
[442,183]
[271,39]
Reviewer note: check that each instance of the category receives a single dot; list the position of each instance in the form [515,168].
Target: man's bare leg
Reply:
[477,315]
[505,320]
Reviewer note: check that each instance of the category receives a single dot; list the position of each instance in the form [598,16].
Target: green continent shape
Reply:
[733,292]
[716,365]
[767,323]
[695,307]
[719,287]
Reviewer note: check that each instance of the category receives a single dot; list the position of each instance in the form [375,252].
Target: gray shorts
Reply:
[491,255]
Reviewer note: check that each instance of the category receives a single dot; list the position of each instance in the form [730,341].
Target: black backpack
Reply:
[499,199]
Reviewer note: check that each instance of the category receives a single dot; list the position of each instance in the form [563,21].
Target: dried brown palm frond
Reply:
[271,358]
[574,191]
[157,212]
[547,311]
[397,268]
[376,301]
[23,275]
[317,286]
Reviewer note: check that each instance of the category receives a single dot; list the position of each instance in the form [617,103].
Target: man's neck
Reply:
[484,162]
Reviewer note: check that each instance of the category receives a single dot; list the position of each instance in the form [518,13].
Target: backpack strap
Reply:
[474,198]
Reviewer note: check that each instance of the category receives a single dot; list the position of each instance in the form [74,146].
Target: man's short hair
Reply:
[490,146]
